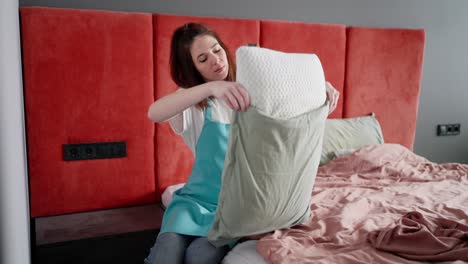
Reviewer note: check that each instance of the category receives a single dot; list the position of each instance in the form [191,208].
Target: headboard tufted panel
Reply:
[88,77]
[383,75]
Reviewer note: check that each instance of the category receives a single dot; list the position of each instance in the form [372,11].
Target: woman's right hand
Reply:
[232,93]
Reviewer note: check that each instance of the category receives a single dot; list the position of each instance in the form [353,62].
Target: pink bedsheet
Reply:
[420,237]
[366,191]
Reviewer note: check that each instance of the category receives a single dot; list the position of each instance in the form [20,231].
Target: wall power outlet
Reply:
[448,130]
[100,150]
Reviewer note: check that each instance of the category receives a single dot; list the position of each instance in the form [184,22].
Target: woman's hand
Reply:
[333,95]
[232,93]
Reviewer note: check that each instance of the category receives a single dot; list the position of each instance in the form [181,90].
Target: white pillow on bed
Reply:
[291,83]
[244,253]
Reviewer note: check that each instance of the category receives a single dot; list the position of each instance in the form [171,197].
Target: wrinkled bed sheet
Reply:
[369,190]
[420,237]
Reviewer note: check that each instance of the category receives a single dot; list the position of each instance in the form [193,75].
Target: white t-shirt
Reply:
[189,123]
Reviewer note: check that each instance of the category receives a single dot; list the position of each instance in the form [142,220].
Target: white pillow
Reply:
[281,85]
[245,252]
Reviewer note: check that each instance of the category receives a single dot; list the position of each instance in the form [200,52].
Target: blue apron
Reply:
[193,207]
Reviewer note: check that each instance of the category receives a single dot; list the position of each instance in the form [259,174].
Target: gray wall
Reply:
[444,90]
[14,208]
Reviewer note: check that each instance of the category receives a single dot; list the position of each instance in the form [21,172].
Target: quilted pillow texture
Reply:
[281,85]
[271,162]
[349,134]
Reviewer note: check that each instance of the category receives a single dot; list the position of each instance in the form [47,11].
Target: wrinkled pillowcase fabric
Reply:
[281,85]
[270,165]
[349,134]
[268,175]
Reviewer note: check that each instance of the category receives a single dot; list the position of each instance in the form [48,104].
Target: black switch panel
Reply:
[448,130]
[100,150]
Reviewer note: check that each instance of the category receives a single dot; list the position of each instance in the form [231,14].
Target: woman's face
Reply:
[209,58]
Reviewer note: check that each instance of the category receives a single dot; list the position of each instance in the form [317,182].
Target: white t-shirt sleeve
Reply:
[188,125]
[177,123]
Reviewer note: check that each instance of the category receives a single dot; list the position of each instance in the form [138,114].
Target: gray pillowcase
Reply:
[349,134]
[269,173]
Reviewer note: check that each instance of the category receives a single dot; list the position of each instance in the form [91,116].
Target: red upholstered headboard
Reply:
[90,76]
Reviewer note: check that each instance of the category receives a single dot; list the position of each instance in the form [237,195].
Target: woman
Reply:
[199,111]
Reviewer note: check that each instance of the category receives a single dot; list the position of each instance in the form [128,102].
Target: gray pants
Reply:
[172,248]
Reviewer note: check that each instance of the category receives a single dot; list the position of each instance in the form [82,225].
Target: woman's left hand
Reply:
[333,95]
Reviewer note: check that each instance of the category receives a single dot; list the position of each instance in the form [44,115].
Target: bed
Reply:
[366,194]
[360,195]
[375,187]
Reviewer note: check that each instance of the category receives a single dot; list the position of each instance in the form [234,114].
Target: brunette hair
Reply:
[183,70]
